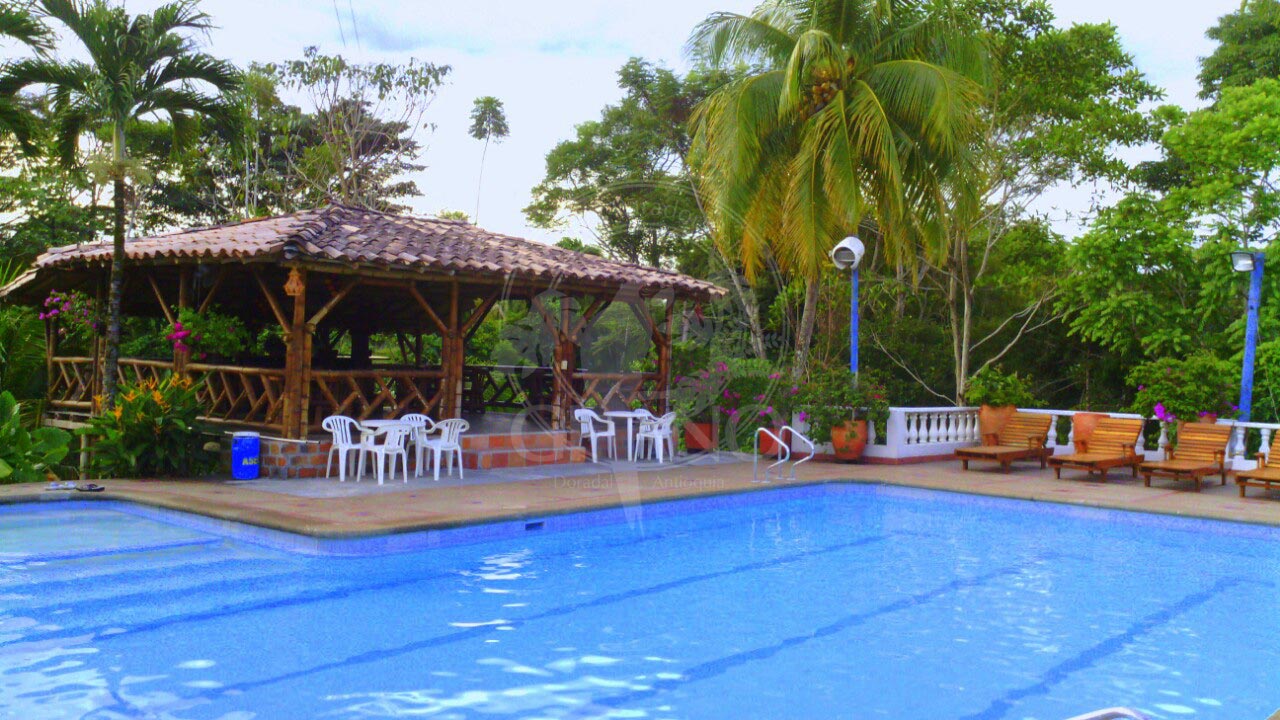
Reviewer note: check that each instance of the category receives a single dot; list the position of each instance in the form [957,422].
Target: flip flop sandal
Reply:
[90,488]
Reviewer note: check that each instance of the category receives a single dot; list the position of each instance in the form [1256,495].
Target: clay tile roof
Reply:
[338,233]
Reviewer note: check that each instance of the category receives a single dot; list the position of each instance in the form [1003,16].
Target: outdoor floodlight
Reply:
[848,254]
[1242,261]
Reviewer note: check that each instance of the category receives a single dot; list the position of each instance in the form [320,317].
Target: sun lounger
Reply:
[1110,446]
[1267,472]
[1201,451]
[1022,438]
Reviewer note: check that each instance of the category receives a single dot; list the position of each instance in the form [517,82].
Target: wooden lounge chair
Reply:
[1022,438]
[1109,447]
[1267,472]
[1201,451]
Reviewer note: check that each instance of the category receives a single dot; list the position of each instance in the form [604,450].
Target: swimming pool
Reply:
[824,602]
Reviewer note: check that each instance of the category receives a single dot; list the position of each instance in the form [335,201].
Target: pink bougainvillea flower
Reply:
[775,376]
[722,366]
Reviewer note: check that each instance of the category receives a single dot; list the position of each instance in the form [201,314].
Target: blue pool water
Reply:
[836,602]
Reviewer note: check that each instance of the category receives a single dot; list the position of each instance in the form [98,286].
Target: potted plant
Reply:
[998,396]
[838,407]
[694,400]
[1197,388]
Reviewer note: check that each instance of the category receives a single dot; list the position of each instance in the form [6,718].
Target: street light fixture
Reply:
[847,256]
[1250,262]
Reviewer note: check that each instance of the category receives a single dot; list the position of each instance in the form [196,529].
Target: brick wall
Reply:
[293,460]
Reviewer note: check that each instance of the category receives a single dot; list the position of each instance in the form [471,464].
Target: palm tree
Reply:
[858,114]
[488,121]
[17,22]
[142,65]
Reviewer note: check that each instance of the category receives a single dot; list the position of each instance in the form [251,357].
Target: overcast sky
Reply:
[553,63]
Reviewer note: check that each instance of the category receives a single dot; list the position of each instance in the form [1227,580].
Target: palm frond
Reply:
[726,37]
[19,23]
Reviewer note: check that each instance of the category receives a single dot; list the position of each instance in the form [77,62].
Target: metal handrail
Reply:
[1115,713]
[797,435]
[784,454]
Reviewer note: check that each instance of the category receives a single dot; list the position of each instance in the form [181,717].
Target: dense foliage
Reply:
[153,431]
[28,455]
[742,169]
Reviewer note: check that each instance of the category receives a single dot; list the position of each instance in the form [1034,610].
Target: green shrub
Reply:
[28,455]
[208,333]
[833,397]
[738,395]
[1198,385]
[991,386]
[153,431]
[22,364]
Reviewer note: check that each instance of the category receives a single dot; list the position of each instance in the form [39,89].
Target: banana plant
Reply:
[28,455]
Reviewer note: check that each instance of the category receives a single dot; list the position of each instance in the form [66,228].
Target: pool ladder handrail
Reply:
[1115,713]
[784,454]
[797,435]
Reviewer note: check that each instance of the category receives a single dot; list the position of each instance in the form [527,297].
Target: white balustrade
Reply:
[937,432]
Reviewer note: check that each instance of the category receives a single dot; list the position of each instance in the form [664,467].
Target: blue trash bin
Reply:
[246,447]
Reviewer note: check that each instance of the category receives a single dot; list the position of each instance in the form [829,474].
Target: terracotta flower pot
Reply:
[769,446]
[991,419]
[849,440]
[1207,419]
[699,436]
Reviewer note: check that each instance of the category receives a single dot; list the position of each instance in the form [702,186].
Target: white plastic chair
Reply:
[589,420]
[343,430]
[394,438]
[658,433]
[448,444]
[422,426]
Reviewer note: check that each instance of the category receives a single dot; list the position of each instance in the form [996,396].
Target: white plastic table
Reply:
[630,416]
[373,427]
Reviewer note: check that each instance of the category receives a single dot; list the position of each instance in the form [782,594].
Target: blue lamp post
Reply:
[846,256]
[1250,262]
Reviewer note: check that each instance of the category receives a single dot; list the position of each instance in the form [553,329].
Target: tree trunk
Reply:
[804,334]
[475,219]
[747,299]
[111,365]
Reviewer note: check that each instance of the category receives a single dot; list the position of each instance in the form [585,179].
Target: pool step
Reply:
[497,459]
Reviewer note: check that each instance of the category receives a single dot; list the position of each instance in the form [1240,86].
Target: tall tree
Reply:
[626,180]
[861,111]
[1248,48]
[1061,104]
[358,138]
[17,22]
[488,122]
[139,66]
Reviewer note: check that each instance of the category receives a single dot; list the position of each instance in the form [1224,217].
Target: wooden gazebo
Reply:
[337,275]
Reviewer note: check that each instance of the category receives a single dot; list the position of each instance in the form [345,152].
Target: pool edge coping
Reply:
[263,518]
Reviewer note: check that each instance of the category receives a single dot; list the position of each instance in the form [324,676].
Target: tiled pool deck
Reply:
[325,509]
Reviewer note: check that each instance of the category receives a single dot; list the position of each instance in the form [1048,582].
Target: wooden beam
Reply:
[333,302]
[588,316]
[160,298]
[213,290]
[271,300]
[297,372]
[478,315]
[426,307]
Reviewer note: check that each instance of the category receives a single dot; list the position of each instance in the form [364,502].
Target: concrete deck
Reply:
[423,506]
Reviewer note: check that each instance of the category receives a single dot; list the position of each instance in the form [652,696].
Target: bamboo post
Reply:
[452,357]
[297,371]
[662,338]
